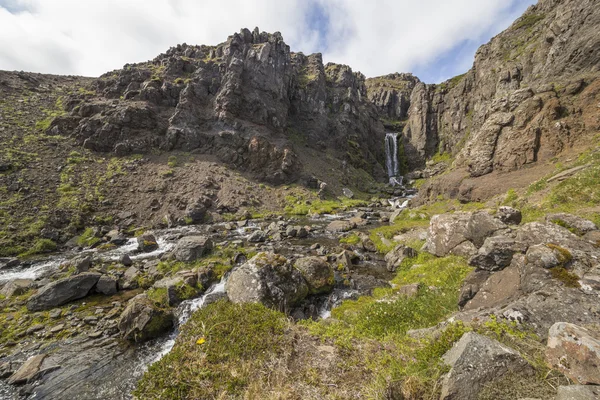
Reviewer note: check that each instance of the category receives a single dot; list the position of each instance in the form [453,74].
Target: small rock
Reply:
[107,285]
[340,226]
[257,236]
[395,257]
[28,370]
[509,215]
[16,287]
[126,260]
[57,328]
[348,193]
[147,242]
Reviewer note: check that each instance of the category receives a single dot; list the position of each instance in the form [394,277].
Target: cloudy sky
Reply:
[434,39]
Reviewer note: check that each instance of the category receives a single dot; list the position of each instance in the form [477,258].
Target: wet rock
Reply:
[257,236]
[147,242]
[28,371]
[509,215]
[206,277]
[340,226]
[142,320]
[16,287]
[107,285]
[496,253]
[475,361]
[317,273]
[7,263]
[267,278]
[191,248]
[130,278]
[575,224]
[82,264]
[116,238]
[395,257]
[63,291]
[345,259]
[126,260]
[574,351]
[578,392]
[302,232]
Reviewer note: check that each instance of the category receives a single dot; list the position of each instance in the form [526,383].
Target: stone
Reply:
[348,193]
[509,215]
[578,392]
[575,352]
[466,249]
[63,291]
[542,256]
[575,224]
[267,278]
[317,273]
[28,371]
[471,285]
[410,291]
[291,231]
[257,236]
[16,287]
[147,242]
[477,360]
[395,257]
[593,237]
[142,320]
[302,232]
[191,248]
[197,210]
[496,253]
[126,260]
[345,260]
[7,263]
[130,278]
[107,285]
[340,226]
[82,264]
[497,290]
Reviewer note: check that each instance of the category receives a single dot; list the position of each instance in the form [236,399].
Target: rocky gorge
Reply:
[243,221]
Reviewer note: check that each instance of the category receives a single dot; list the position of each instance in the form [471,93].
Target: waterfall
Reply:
[391,158]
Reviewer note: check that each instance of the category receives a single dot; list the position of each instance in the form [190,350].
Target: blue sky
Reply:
[434,39]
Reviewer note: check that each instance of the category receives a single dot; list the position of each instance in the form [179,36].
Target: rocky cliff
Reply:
[531,93]
[247,101]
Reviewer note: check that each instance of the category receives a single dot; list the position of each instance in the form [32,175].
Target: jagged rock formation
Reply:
[531,93]
[245,101]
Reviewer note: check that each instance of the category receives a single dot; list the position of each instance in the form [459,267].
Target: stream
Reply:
[116,379]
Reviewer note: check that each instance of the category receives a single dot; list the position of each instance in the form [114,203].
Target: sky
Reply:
[433,39]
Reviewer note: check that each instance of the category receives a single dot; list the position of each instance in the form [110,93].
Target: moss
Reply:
[566,277]
[352,238]
[88,238]
[527,21]
[41,246]
[564,255]
[442,157]
[220,351]
[172,161]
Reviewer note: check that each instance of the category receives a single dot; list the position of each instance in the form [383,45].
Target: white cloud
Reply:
[94,36]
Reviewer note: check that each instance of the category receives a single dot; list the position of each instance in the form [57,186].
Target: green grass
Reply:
[352,238]
[88,238]
[219,352]
[298,205]
[39,247]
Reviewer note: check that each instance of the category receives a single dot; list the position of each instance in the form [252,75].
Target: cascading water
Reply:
[391,158]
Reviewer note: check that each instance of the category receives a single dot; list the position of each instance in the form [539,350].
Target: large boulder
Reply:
[63,291]
[318,274]
[147,242]
[575,224]
[340,226]
[574,351]
[578,392]
[142,319]
[16,287]
[498,289]
[395,257]
[267,278]
[496,253]
[475,361]
[107,285]
[191,248]
[447,231]
[509,215]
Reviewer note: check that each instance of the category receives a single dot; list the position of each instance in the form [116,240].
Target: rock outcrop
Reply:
[143,320]
[63,291]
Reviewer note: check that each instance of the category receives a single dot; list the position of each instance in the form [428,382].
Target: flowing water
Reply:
[391,157]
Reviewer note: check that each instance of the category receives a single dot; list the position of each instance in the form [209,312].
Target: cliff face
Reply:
[532,92]
[247,101]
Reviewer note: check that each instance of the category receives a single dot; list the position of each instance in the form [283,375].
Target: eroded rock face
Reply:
[63,291]
[575,351]
[267,278]
[142,320]
[475,361]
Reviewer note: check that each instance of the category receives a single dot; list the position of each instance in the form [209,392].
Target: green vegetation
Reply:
[352,238]
[221,350]
[298,204]
[528,21]
[442,157]
[39,247]
[88,238]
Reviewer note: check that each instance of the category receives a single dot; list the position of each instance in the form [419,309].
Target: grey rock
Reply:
[395,257]
[317,273]
[147,242]
[257,236]
[142,320]
[267,278]
[575,224]
[578,392]
[509,215]
[191,248]
[28,371]
[63,291]
[477,360]
[107,285]
[473,282]
[16,287]
[340,226]
[348,193]
[496,253]
[126,260]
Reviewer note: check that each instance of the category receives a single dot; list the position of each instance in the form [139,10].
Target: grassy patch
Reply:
[352,238]
[220,351]
[88,238]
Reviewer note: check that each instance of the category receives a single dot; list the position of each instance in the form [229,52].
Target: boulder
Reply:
[16,287]
[63,291]
[317,273]
[497,290]
[142,319]
[395,257]
[496,253]
[547,256]
[578,392]
[593,237]
[107,285]
[147,242]
[257,236]
[509,215]
[130,278]
[196,211]
[191,248]
[447,231]
[7,263]
[473,282]
[82,264]
[267,278]
[126,260]
[340,226]
[575,224]
[291,231]
[348,193]
[542,233]
[574,351]
[475,361]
